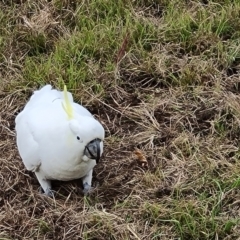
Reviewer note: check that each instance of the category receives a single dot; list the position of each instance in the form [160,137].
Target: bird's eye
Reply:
[78,138]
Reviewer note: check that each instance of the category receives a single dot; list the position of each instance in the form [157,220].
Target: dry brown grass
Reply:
[169,88]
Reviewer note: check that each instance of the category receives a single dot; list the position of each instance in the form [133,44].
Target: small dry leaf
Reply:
[123,48]
[140,157]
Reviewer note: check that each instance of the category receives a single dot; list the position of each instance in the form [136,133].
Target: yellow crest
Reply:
[66,104]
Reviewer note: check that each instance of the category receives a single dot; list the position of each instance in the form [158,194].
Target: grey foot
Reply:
[87,189]
[48,192]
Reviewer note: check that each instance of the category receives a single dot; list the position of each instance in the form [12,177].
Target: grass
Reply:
[161,76]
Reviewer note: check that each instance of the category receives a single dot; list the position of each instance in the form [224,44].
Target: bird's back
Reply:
[46,95]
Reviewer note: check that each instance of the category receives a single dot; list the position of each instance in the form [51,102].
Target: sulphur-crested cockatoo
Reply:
[58,139]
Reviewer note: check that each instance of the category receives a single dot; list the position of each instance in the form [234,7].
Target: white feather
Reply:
[46,138]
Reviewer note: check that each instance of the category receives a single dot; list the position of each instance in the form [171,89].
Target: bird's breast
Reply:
[68,170]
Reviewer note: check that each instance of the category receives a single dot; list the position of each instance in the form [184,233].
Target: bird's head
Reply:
[90,134]
[86,130]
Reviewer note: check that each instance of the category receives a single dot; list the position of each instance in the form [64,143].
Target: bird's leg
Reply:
[87,182]
[45,184]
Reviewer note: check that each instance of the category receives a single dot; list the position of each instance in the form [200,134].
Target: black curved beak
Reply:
[92,150]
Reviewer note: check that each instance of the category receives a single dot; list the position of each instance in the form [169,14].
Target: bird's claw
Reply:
[48,192]
[87,189]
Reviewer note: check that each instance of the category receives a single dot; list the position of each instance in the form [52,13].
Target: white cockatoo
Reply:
[58,139]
